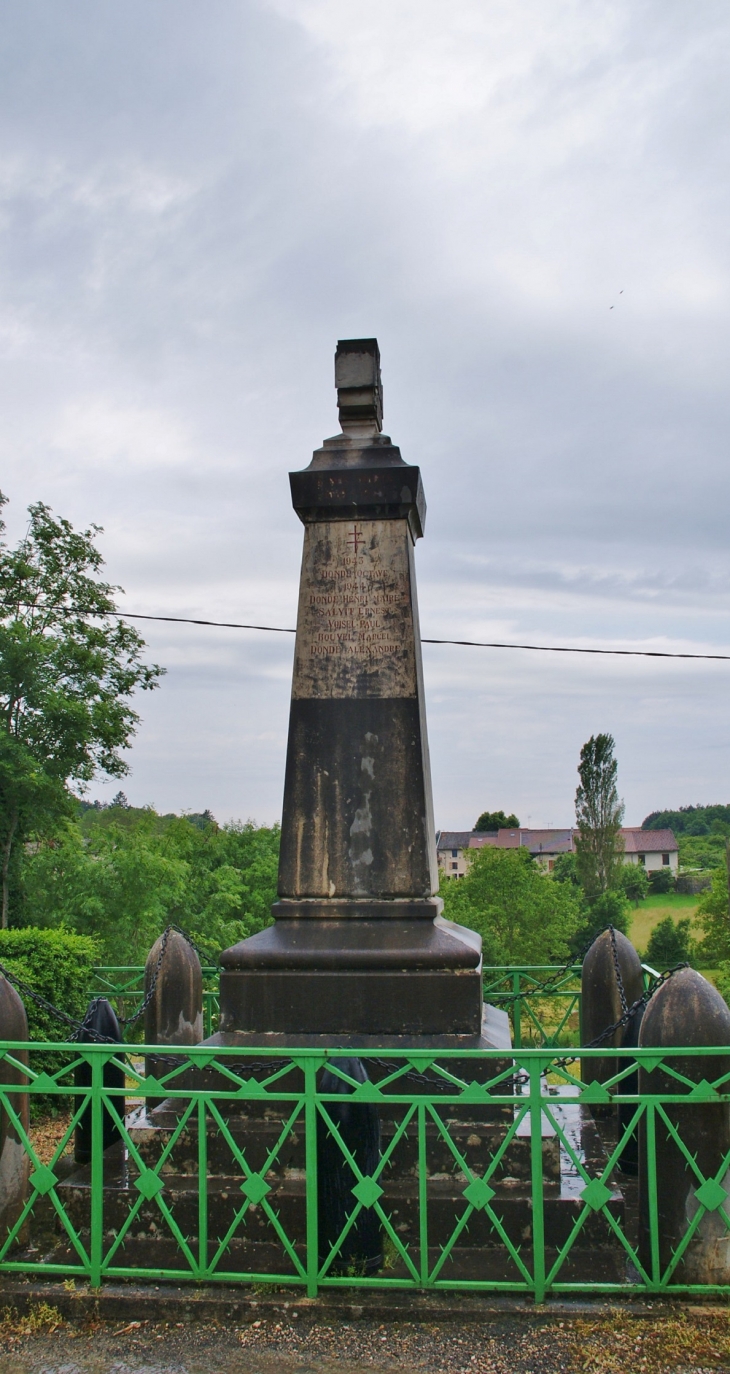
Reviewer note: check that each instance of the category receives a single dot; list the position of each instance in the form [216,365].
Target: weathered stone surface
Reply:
[174,1015]
[358,855]
[14,1163]
[601,1003]
[687,1011]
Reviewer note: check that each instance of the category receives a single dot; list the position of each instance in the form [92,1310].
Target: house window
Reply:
[454,865]
[665,860]
[642,858]
[454,853]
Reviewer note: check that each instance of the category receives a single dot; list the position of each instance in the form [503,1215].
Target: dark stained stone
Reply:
[14,1163]
[174,1015]
[601,999]
[357,948]
[687,1011]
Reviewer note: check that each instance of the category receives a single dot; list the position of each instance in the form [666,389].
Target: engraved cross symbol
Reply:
[356,539]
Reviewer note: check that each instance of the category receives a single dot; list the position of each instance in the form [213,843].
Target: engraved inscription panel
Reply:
[355,624]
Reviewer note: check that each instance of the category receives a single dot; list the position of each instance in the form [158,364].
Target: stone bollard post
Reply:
[358,1124]
[687,1011]
[14,1162]
[174,1015]
[100,1021]
[601,1002]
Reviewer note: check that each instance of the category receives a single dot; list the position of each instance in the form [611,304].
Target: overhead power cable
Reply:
[462,643]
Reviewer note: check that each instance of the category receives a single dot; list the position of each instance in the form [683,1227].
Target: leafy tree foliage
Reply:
[522,916]
[713,916]
[670,943]
[691,820]
[701,851]
[634,882]
[565,870]
[609,908]
[123,874]
[68,671]
[599,813]
[496,820]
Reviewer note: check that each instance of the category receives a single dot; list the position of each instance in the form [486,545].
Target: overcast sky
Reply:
[527,202]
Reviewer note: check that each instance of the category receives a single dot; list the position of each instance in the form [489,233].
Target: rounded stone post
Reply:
[174,1015]
[100,1022]
[601,1001]
[358,1124]
[14,1162]
[687,1011]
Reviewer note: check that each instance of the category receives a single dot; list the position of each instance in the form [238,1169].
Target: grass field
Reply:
[649,913]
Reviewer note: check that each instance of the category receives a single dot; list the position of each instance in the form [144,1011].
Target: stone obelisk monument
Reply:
[358,947]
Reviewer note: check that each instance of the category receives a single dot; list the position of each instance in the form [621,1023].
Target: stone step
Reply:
[476,1143]
[512,1204]
[586,1263]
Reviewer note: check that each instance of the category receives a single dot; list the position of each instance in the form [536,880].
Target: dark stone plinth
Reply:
[494,1034]
[357,948]
[390,976]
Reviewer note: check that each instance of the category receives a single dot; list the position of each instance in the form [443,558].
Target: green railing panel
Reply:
[221,1183]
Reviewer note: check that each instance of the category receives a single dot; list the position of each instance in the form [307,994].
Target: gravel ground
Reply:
[679,1342]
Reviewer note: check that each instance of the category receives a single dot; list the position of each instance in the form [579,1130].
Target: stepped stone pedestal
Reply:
[359,947]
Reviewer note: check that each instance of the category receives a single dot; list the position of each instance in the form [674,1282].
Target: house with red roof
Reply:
[653,849]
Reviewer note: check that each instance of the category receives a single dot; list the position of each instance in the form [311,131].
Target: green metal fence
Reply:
[123,986]
[540,1015]
[222,1183]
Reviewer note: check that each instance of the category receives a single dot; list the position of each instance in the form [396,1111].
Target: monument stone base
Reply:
[375,977]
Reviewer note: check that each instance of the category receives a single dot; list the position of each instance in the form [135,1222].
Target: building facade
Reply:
[653,849]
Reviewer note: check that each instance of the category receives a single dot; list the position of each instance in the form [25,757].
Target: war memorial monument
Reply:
[359,948]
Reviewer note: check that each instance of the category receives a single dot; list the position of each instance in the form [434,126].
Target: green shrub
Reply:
[661,880]
[635,882]
[669,944]
[58,965]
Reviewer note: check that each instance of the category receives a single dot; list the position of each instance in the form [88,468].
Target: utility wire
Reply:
[464,643]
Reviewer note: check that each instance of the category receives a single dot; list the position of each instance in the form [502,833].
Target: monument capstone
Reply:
[358,947]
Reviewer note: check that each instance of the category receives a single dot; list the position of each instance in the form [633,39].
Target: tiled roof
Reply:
[453,839]
[638,841]
[537,841]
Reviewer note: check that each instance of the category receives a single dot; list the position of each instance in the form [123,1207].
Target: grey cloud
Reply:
[195,203]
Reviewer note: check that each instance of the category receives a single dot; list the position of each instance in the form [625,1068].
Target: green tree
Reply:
[497,820]
[670,943]
[522,916]
[609,908]
[599,813]
[68,670]
[565,870]
[634,882]
[713,917]
[123,875]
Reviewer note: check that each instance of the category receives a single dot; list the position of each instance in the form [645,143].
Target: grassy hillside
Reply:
[649,913]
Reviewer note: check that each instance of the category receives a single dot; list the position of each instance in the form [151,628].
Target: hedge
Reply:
[58,965]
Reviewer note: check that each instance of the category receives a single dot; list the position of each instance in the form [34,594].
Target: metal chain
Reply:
[82,1027]
[617,968]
